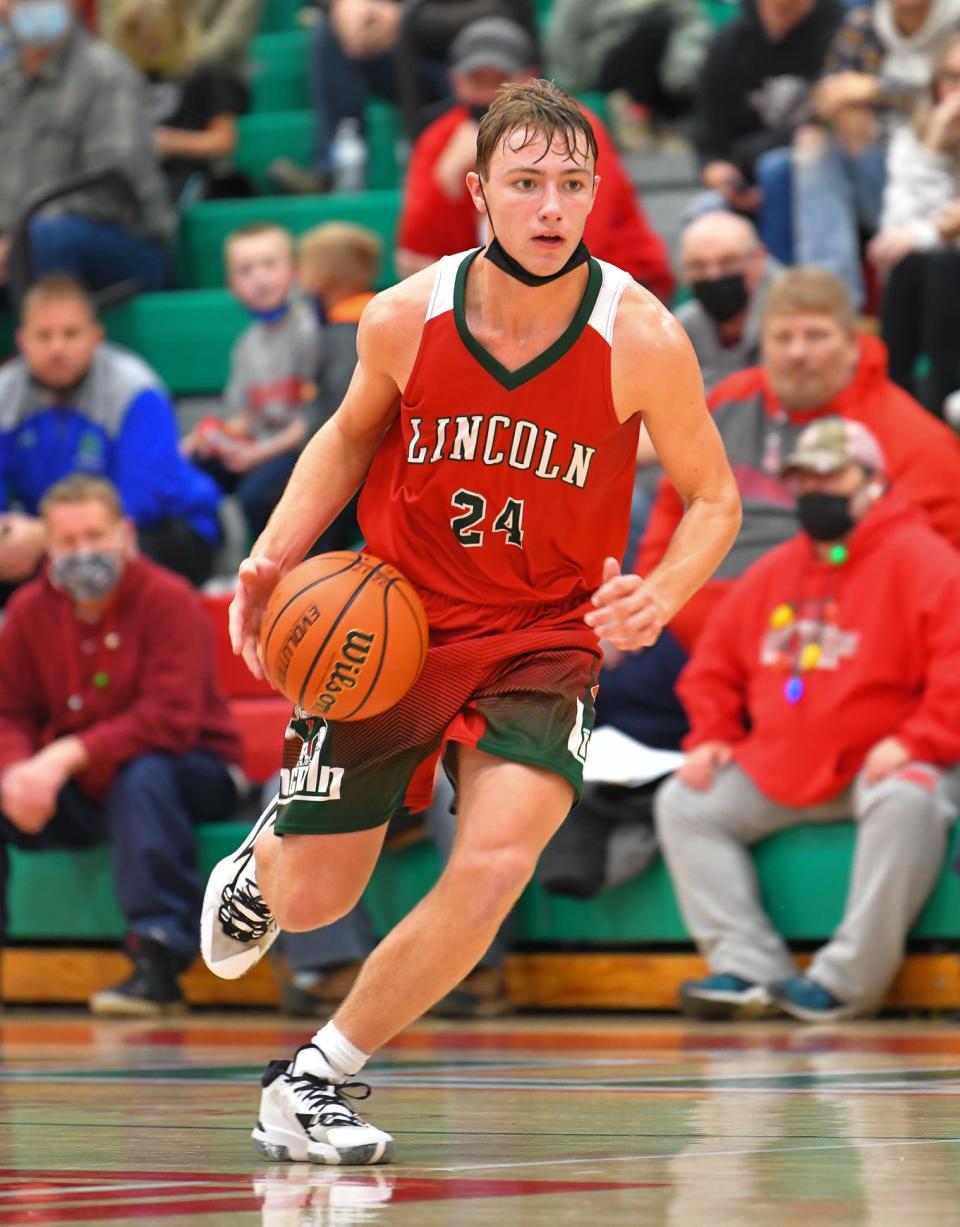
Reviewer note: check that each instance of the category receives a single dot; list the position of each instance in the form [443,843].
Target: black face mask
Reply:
[721,297]
[497,254]
[825,517]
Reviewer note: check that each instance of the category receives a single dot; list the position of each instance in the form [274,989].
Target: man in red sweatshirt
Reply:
[815,363]
[112,728]
[825,686]
[438,217]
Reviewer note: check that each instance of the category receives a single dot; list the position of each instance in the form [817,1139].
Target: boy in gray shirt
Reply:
[273,372]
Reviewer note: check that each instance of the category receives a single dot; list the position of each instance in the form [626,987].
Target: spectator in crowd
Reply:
[654,49]
[71,105]
[729,275]
[814,365]
[226,29]
[73,402]
[273,369]
[438,216]
[193,105]
[917,247]
[879,65]
[362,47]
[824,687]
[752,96]
[338,265]
[112,728]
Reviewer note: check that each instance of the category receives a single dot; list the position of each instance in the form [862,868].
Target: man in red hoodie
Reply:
[112,728]
[815,363]
[825,686]
[438,217]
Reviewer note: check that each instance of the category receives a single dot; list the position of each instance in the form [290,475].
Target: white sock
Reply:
[343,1059]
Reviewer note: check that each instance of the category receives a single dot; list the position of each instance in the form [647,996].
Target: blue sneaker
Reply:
[803,998]
[724,996]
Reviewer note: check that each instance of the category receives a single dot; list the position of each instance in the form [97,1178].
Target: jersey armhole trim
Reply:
[603,318]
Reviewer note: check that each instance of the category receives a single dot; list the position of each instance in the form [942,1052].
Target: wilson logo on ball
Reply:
[354,652]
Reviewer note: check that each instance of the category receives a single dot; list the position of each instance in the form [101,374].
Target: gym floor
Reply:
[537,1120]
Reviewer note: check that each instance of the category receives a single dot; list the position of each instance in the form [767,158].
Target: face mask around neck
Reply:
[498,255]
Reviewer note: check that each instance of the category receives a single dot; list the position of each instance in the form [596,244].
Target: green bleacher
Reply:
[803,874]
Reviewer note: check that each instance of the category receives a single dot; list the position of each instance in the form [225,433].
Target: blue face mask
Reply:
[273,316]
[40,23]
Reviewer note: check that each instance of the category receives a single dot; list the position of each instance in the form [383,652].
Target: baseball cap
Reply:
[492,42]
[832,443]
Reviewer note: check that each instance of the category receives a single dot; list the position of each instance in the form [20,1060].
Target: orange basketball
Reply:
[343,636]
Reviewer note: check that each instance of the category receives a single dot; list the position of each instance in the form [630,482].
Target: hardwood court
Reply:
[574,1120]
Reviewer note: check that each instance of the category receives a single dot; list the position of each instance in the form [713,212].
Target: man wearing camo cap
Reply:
[825,687]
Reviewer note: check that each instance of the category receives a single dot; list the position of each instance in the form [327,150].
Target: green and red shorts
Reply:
[523,695]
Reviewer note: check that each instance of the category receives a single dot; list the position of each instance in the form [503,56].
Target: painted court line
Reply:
[693,1154]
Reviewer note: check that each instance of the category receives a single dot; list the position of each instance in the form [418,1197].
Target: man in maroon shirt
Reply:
[438,217]
[112,728]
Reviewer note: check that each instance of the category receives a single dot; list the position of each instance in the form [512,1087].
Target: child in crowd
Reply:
[339,263]
[273,369]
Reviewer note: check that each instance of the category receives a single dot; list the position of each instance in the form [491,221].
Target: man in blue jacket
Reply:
[72,402]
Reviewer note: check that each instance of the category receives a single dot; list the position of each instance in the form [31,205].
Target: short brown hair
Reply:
[538,108]
[57,287]
[83,488]
[810,289]
[349,253]
[253,231]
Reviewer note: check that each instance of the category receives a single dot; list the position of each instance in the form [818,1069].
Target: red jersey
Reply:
[505,488]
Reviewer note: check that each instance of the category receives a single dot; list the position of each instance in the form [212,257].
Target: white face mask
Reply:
[40,23]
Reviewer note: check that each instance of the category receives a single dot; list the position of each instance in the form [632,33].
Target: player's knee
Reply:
[488,884]
[312,906]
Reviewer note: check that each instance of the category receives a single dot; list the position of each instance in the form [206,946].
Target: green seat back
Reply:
[278,74]
[205,227]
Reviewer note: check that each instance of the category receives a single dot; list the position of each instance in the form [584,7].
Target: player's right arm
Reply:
[335,461]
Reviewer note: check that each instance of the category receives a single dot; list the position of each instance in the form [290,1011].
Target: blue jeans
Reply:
[836,196]
[639,696]
[340,86]
[97,254]
[148,819]
[774,175]
[774,221]
[258,490]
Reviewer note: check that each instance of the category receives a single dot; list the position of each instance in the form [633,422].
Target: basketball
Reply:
[343,636]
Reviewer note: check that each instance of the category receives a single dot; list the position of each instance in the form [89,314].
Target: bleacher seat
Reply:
[278,71]
[803,875]
[279,15]
[205,227]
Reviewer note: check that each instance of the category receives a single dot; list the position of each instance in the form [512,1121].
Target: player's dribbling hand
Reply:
[698,768]
[626,612]
[256,579]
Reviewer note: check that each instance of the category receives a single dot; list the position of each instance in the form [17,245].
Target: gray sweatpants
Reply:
[900,846]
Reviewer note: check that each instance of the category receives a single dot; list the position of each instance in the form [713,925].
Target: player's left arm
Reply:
[630,610]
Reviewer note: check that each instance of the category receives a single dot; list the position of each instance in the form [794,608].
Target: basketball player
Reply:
[494,414]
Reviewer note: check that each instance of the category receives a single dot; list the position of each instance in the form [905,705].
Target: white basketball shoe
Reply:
[304,1118]
[236,926]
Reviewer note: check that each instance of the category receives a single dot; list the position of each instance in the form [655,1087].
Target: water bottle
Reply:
[349,157]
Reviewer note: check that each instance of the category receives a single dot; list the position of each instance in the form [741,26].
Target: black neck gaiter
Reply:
[498,255]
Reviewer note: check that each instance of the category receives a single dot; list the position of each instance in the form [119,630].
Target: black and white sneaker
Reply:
[236,926]
[304,1118]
